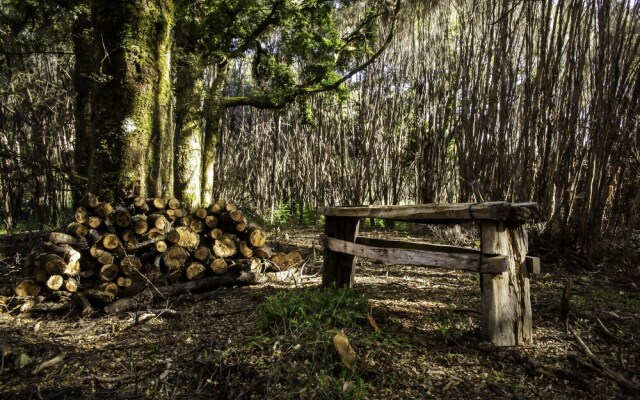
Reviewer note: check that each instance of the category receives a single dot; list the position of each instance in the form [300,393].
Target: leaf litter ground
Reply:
[216,345]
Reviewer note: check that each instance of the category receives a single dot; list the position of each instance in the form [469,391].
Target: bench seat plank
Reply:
[441,213]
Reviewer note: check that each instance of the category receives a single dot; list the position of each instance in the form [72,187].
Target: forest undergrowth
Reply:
[415,333]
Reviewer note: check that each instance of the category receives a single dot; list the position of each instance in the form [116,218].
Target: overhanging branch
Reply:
[275,100]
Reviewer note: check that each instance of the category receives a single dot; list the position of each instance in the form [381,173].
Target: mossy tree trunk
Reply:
[189,129]
[131,101]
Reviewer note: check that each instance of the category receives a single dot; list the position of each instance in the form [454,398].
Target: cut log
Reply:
[158,221]
[217,207]
[245,249]
[105,210]
[170,214]
[100,295]
[197,225]
[128,237]
[140,225]
[122,218]
[70,285]
[216,233]
[94,236]
[104,257]
[294,258]
[130,265]
[236,216]
[200,213]
[156,203]
[110,241]
[184,236]
[247,264]
[225,247]
[90,201]
[41,275]
[173,203]
[230,207]
[27,288]
[81,215]
[124,281]
[179,213]
[110,287]
[96,249]
[72,268]
[194,270]
[281,260]
[202,254]
[257,237]
[94,222]
[175,257]
[211,221]
[109,272]
[55,282]
[52,263]
[68,253]
[140,204]
[155,234]
[63,238]
[241,227]
[263,253]
[158,250]
[147,244]
[77,229]
[183,221]
[147,296]
[218,266]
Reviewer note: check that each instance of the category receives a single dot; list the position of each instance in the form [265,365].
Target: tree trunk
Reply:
[82,84]
[214,113]
[131,101]
[189,133]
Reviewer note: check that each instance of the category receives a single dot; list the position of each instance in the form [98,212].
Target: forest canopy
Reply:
[309,103]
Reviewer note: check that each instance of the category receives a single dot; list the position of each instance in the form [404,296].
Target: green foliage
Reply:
[282,215]
[307,312]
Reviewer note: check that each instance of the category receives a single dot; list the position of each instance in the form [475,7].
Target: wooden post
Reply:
[506,305]
[339,268]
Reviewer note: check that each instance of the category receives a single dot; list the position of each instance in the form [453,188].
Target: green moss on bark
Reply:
[130,99]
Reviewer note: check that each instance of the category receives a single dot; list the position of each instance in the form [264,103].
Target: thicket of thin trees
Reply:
[471,101]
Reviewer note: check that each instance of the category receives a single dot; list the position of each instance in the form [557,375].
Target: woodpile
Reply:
[112,250]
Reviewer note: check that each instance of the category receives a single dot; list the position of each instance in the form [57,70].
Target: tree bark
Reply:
[131,101]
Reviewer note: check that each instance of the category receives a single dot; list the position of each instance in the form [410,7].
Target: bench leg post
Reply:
[339,268]
[506,304]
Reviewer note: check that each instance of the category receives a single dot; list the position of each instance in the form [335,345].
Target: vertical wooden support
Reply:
[339,268]
[506,305]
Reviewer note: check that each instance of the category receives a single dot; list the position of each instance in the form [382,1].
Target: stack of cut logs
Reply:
[122,248]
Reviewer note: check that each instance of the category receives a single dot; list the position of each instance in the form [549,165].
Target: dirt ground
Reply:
[212,344]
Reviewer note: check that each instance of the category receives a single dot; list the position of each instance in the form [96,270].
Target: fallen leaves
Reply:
[346,353]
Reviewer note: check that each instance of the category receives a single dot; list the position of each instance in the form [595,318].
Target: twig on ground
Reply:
[624,383]
[606,331]
[49,363]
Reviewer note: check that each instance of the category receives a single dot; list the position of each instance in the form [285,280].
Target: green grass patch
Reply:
[295,343]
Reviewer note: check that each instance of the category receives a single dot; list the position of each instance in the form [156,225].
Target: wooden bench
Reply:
[502,260]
